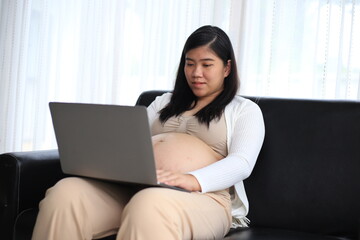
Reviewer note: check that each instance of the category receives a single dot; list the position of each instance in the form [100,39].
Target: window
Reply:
[110,51]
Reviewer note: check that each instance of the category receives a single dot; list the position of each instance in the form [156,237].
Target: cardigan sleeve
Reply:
[245,138]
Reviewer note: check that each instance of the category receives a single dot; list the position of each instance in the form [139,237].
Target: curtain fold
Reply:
[14,27]
[301,49]
[110,51]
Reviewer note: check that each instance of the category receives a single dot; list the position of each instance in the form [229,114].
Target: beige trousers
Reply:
[78,208]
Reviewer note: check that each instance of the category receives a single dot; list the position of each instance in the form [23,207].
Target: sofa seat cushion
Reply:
[275,234]
[25,224]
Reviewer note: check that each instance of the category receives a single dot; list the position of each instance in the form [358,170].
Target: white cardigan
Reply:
[245,135]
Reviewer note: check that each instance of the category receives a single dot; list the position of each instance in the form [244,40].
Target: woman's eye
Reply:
[207,65]
[189,64]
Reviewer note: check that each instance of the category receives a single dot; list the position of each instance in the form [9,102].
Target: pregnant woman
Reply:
[206,140]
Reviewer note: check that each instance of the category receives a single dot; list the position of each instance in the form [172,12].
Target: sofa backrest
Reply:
[307,176]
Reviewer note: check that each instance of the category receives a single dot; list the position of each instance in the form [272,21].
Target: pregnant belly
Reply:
[181,152]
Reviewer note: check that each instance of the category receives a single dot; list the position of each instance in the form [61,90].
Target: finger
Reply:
[167,178]
[170,179]
[163,174]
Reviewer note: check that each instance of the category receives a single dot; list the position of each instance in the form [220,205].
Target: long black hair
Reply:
[183,98]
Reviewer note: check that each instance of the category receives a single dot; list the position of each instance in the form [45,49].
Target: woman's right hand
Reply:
[185,181]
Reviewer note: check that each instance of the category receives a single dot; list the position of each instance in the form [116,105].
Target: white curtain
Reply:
[109,51]
[301,48]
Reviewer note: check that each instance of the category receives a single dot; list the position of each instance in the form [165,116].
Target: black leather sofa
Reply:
[305,185]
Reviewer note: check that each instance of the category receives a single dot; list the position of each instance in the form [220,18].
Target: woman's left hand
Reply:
[185,181]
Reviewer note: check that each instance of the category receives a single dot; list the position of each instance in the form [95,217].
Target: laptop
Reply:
[107,142]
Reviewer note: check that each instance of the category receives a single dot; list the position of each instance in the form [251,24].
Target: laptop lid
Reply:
[108,142]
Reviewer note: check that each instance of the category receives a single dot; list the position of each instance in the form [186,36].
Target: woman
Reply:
[206,140]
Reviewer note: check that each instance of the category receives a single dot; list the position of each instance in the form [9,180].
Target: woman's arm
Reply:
[246,138]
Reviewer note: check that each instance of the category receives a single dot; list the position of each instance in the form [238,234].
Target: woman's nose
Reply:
[197,71]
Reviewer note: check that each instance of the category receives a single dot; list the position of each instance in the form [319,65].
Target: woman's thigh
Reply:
[92,205]
[174,213]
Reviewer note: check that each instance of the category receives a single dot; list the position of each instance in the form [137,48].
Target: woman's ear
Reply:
[227,68]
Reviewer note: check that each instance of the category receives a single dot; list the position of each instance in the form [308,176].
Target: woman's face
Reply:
[205,73]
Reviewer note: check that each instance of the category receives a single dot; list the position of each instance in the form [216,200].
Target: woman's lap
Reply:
[176,215]
[82,208]
[94,209]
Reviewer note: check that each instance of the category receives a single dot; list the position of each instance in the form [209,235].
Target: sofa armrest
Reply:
[24,178]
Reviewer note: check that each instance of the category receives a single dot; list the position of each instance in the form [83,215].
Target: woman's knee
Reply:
[148,203]
[151,214]
[63,194]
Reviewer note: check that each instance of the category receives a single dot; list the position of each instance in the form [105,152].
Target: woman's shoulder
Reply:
[165,97]
[241,103]
[244,109]
[161,100]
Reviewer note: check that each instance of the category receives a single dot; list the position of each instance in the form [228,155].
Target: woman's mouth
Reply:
[198,84]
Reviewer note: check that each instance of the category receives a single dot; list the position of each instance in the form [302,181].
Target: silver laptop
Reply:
[108,142]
